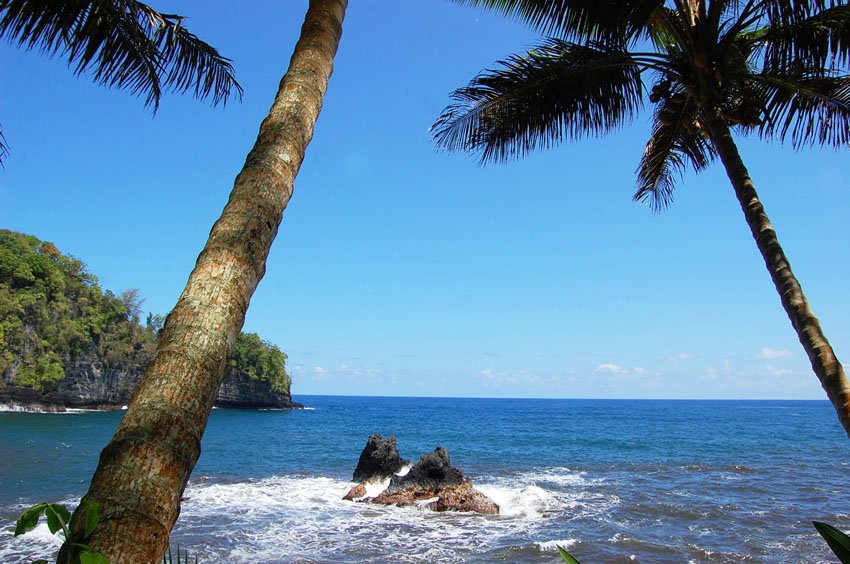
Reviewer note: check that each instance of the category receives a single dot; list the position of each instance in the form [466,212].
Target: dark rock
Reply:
[15,398]
[88,384]
[238,390]
[432,482]
[434,470]
[378,460]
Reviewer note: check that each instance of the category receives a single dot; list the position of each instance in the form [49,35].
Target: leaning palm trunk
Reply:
[143,471]
[826,366]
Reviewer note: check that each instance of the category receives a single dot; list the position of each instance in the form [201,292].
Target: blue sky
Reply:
[401,270]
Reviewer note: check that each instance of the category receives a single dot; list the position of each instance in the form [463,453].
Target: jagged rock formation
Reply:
[379,460]
[432,482]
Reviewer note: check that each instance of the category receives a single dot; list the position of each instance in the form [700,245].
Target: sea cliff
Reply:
[67,343]
[89,385]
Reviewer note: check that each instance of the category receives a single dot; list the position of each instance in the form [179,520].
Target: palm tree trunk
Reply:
[826,366]
[143,471]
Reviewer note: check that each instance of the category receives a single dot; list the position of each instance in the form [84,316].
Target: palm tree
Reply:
[775,68]
[143,471]
[124,43]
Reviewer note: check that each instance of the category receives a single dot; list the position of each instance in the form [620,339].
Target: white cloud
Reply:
[768,352]
[610,369]
[679,357]
[315,373]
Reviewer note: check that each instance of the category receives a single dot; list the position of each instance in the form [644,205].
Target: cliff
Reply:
[89,385]
[66,343]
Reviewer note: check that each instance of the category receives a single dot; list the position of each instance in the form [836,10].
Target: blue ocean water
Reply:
[612,480]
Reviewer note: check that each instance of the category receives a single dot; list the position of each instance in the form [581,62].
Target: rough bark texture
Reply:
[143,471]
[826,366]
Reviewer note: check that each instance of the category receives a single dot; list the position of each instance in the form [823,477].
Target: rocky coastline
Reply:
[88,385]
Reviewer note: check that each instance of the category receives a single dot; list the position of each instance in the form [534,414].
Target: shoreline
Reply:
[16,399]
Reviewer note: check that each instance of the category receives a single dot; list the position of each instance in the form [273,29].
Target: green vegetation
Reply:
[566,556]
[59,519]
[261,360]
[53,312]
[837,540]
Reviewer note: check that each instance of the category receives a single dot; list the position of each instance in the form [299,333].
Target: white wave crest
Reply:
[552,545]
[36,544]
[531,501]
[292,518]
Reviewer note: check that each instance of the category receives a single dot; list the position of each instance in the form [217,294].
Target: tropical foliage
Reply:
[122,44]
[260,360]
[777,69]
[53,312]
[58,520]
[837,540]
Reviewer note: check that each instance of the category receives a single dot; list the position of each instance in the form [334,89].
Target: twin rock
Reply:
[432,483]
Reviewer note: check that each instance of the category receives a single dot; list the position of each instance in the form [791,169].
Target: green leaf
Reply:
[29,518]
[89,557]
[92,517]
[40,562]
[838,541]
[568,558]
[57,517]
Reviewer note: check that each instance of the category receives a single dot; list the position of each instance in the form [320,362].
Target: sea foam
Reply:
[304,517]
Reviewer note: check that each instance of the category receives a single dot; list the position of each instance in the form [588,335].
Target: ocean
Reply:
[611,480]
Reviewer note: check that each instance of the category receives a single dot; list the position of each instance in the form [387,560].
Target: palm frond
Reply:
[577,19]
[821,40]
[811,109]
[670,149]
[4,149]
[558,91]
[124,43]
[785,12]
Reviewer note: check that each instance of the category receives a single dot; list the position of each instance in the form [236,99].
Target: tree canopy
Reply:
[772,68]
[53,311]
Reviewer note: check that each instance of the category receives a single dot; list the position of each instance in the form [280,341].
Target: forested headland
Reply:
[55,316]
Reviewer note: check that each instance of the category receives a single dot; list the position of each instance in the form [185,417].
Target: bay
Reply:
[612,480]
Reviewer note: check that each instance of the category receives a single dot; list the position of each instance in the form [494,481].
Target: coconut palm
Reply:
[773,68]
[143,471]
[123,44]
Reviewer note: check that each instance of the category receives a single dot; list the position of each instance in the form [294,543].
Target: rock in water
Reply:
[434,470]
[379,460]
[355,493]
[432,482]
[463,497]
